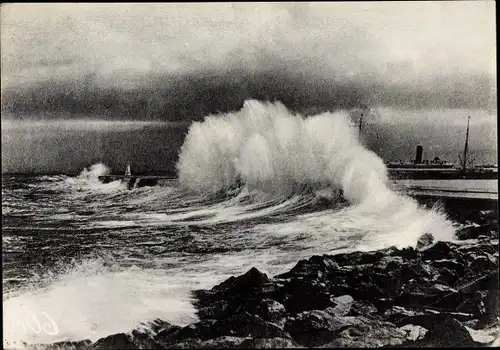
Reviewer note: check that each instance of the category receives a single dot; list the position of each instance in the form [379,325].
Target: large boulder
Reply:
[301,294]
[449,333]
[414,332]
[449,264]
[200,330]
[316,267]
[146,335]
[490,230]
[484,336]
[264,343]
[425,240]
[224,342]
[245,324]
[116,341]
[229,297]
[343,305]
[401,316]
[420,294]
[483,263]
[362,308]
[318,327]
[249,281]
[368,334]
[389,263]
[361,258]
[271,311]
[439,250]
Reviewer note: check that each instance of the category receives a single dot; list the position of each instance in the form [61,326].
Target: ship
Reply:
[437,169]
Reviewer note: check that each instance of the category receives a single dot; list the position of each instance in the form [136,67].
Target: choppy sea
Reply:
[260,187]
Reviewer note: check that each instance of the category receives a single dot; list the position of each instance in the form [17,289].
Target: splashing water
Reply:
[259,187]
[88,179]
[267,148]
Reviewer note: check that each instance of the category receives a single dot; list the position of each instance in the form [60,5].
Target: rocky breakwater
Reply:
[436,294]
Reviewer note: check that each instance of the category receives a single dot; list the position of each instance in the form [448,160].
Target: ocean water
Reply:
[260,187]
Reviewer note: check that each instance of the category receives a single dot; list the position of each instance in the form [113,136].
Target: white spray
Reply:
[267,148]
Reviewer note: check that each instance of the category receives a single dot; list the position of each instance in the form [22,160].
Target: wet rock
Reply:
[447,276]
[342,306]
[368,333]
[451,265]
[317,327]
[229,297]
[330,299]
[414,332]
[245,324]
[313,268]
[425,318]
[145,336]
[486,336]
[495,343]
[251,280]
[361,258]
[491,303]
[398,314]
[217,309]
[200,330]
[484,282]
[408,253]
[217,343]
[389,263]
[489,230]
[264,343]
[239,325]
[115,341]
[301,294]
[449,333]
[272,311]
[362,308]
[474,304]
[483,263]
[425,240]
[162,332]
[344,300]
[416,271]
[436,294]
[439,250]
[471,323]
[383,304]
[469,251]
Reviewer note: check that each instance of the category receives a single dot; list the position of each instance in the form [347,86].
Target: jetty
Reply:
[135,181]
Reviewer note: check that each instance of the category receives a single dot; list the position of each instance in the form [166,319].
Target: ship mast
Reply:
[466,146]
[360,125]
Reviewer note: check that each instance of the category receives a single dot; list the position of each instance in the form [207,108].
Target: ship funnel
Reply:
[418,157]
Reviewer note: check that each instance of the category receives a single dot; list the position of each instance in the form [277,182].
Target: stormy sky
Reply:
[100,65]
[182,61]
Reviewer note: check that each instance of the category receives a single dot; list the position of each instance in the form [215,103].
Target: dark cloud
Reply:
[179,61]
[192,96]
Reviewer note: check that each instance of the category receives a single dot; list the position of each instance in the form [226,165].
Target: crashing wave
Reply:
[269,149]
